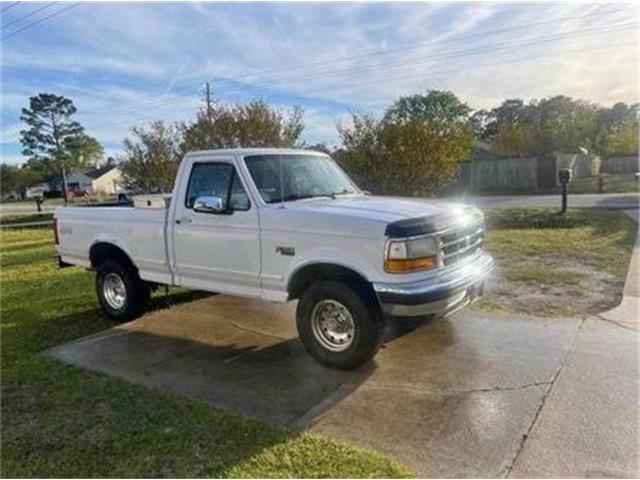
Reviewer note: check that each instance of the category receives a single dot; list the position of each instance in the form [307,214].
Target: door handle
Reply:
[183,220]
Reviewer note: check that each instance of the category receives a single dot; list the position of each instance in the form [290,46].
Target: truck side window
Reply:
[219,180]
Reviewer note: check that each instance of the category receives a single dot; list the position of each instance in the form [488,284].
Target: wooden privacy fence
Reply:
[620,165]
[523,174]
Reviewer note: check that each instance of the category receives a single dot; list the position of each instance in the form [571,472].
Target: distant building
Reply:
[37,190]
[105,180]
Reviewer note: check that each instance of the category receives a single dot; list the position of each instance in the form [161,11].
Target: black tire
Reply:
[136,292]
[365,313]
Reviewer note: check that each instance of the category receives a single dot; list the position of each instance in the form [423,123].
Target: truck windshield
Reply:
[283,178]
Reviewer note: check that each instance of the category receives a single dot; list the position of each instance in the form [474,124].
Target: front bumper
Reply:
[440,293]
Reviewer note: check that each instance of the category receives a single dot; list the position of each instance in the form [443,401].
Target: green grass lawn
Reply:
[558,265]
[15,219]
[61,421]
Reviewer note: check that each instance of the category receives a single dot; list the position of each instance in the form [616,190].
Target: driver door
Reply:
[217,251]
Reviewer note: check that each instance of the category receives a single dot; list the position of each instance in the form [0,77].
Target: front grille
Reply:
[461,243]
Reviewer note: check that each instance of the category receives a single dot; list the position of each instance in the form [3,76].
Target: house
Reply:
[77,181]
[37,190]
[105,180]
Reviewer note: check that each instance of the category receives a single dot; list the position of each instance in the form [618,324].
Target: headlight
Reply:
[404,256]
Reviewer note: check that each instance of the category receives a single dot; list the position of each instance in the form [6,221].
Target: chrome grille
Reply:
[461,243]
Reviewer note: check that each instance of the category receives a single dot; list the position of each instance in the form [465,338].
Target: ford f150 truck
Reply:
[281,225]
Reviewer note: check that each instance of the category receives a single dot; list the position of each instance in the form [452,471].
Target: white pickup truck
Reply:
[281,225]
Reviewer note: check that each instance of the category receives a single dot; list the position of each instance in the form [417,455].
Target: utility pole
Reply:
[208,99]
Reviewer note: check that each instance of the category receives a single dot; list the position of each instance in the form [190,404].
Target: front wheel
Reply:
[122,294]
[338,325]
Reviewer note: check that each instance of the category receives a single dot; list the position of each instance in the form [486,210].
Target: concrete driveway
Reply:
[472,395]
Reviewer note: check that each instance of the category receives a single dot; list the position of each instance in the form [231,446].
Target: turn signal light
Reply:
[410,264]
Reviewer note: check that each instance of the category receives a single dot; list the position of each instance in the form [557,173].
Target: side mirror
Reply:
[208,204]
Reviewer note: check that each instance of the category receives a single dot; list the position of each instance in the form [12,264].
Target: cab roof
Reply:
[242,152]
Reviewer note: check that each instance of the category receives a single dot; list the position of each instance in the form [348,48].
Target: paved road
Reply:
[610,200]
[25,208]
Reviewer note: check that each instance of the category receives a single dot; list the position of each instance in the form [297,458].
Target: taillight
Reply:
[56,239]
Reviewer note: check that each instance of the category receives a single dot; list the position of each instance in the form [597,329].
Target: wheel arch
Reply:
[104,250]
[306,275]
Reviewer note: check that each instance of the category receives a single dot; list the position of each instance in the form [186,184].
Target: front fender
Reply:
[357,262]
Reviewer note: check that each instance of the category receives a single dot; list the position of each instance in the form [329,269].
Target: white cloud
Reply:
[145,61]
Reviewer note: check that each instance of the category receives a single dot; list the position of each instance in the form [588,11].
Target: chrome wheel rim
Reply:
[333,325]
[114,291]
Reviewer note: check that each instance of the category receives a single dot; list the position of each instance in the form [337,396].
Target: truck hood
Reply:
[383,209]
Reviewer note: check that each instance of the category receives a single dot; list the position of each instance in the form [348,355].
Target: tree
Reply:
[318,147]
[8,178]
[617,130]
[254,124]
[83,151]
[558,124]
[414,149]
[441,107]
[17,179]
[51,135]
[151,158]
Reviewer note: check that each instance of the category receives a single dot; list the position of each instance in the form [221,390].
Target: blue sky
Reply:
[125,64]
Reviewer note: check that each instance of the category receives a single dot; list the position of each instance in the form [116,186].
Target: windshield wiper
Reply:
[289,198]
[333,195]
[344,191]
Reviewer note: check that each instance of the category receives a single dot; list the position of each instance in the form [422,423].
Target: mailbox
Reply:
[564,175]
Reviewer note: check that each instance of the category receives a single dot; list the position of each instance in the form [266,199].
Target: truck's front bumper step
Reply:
[441,293]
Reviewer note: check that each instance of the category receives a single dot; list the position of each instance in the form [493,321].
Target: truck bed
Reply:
[143,231]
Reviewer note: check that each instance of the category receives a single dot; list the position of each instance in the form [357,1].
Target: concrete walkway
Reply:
[589,423]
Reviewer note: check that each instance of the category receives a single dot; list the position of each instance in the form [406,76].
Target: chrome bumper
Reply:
[441,293]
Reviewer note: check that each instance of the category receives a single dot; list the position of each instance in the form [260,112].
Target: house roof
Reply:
[98,172]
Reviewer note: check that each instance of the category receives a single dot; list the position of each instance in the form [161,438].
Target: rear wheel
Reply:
[122,294]
[339,326]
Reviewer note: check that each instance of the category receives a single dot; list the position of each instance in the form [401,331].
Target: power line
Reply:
[30,14]
[319,89]
[297,66]
[447,55]
[321,75]
[11,5]
[452,70]
[436,42]
[43,19]
[392,76]
[333,73]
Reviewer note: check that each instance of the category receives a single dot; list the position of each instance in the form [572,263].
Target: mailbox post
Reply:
[564,177]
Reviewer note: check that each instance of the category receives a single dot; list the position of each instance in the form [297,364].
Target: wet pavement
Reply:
[472,395]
